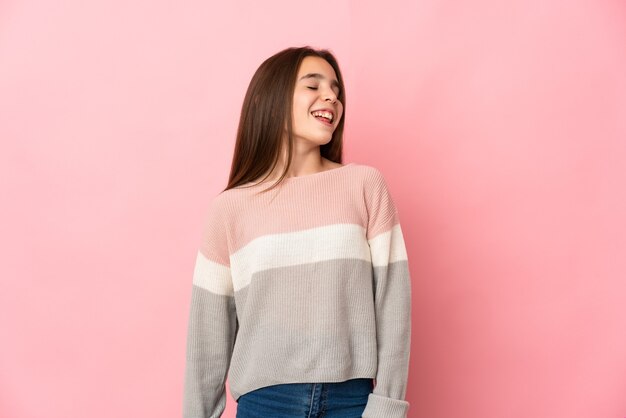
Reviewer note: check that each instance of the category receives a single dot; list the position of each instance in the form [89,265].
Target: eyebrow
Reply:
[319,76]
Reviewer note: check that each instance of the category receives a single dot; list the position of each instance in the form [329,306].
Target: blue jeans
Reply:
[307,400]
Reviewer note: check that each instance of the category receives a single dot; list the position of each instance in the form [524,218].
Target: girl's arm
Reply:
[392,298]
[212,324]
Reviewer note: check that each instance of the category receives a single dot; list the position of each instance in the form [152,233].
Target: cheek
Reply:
[296,106]
[300,106]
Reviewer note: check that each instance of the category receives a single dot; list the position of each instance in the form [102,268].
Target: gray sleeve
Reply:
[211,336]
[392,299]
[213,326]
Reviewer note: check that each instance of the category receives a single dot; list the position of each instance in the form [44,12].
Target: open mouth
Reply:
[323,116]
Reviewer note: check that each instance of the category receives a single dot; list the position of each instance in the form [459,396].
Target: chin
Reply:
[317,139]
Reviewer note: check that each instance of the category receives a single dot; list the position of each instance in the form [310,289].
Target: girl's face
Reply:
[316,108]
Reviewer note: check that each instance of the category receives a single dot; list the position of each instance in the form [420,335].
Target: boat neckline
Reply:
[305,176]
[318,173]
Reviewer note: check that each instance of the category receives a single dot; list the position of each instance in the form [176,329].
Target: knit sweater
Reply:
[306,283]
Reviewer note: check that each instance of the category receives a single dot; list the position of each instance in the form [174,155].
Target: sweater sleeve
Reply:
[212,326]
[392,300]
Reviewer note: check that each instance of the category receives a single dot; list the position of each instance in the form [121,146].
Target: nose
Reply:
[330,95]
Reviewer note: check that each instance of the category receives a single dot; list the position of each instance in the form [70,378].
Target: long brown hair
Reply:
[266,110]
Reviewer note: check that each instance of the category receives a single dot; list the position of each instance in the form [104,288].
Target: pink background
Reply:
[500,127]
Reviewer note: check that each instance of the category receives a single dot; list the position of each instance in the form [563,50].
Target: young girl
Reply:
[301,291]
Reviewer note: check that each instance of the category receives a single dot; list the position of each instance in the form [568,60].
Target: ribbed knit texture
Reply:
[306,283]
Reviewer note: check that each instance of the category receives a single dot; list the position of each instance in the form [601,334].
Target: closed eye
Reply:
[312,88]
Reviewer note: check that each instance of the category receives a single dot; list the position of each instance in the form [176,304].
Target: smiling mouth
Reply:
[323,116]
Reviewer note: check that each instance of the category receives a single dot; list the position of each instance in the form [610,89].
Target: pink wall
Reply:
[501,129]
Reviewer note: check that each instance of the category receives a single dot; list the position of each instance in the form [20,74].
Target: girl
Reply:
[301,290]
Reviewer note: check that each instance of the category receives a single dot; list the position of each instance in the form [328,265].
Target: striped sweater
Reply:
[308,282]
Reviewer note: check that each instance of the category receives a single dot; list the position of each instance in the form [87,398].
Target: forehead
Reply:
[312,64]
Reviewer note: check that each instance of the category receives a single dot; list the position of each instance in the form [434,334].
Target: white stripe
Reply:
[388,247]
[212,276]
[338,241]
[301,247]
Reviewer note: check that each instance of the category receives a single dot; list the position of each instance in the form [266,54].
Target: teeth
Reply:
[326,115]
